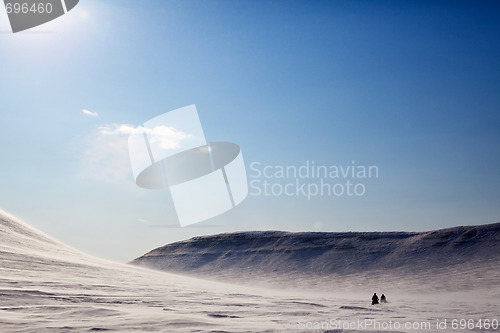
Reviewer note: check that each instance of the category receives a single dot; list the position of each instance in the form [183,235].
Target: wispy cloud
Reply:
[118,129]
[106,157]
[90,113]
[167,137]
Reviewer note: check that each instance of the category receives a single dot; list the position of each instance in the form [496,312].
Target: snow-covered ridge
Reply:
[470,248]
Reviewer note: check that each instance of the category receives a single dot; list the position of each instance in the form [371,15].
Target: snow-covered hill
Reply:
[46,286]
[461,252]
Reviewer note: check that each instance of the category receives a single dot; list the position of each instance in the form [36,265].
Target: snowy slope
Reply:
[46,286]
[461,253]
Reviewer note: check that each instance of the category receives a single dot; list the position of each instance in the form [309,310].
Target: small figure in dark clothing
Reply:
[374,299]
[383,299]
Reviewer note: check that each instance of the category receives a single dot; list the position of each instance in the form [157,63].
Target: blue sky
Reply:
[411,87]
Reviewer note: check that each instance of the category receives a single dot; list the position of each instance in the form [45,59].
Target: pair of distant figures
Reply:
[375,299]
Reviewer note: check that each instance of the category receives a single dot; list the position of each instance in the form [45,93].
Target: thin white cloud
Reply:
[118,129]
[106,158]
[105,155]
[167,137]
[90,113]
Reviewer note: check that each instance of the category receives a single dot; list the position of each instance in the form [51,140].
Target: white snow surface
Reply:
[46,286]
